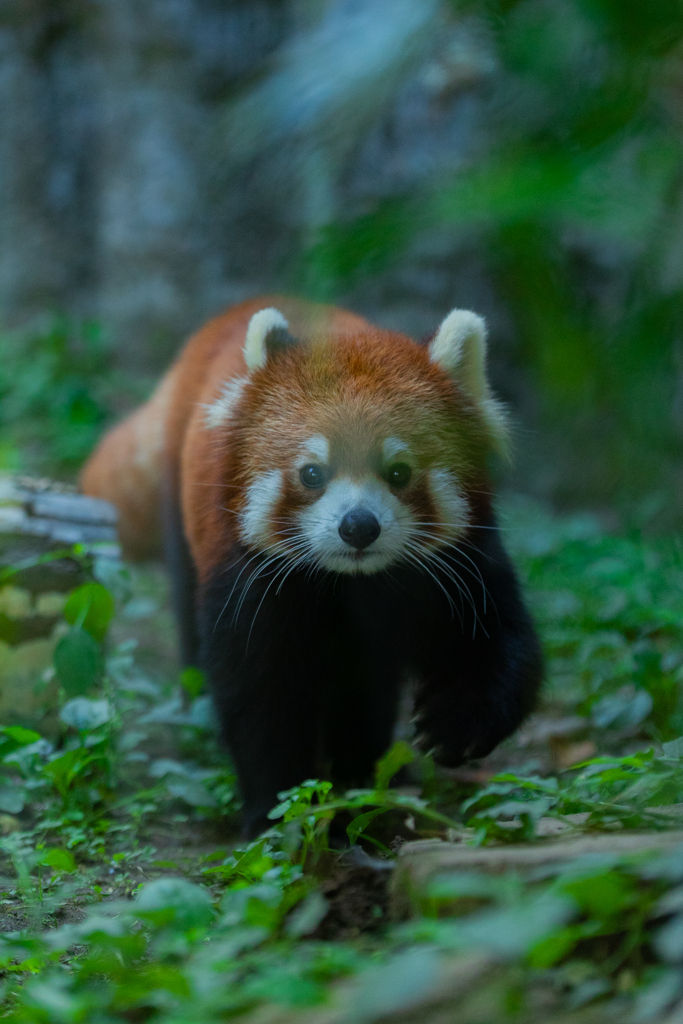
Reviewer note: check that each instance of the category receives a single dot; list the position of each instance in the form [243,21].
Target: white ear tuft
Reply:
[460,348]
[263,323]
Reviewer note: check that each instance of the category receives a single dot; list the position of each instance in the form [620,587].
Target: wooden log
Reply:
[53,514]
[40,522]
[40,519]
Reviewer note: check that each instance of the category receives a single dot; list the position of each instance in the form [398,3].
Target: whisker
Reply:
[421,565]
[277,555]
[449,552]
[259,571]
[265,593]
[458,580]
[435,558]
[220,615]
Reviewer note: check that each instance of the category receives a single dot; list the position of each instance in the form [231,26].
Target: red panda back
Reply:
[126,469]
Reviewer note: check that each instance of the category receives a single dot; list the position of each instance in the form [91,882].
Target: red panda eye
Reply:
[312,476]
[399,474]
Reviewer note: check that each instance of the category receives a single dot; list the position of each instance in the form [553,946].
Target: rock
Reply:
[419,861]
[74,508]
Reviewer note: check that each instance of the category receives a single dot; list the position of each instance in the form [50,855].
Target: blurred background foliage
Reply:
[522,157]
[574,204]
[53,400]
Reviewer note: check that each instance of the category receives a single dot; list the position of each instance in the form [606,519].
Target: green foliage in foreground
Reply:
[633,791]
[181,951]
[91,935]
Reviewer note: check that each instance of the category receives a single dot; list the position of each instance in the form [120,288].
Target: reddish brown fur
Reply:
[304,673]
[355,384]
[128,465]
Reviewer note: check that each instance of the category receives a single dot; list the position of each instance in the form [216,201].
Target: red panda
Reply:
[320,489]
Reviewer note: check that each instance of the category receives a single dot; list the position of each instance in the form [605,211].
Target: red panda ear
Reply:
[268,332]
[460,348]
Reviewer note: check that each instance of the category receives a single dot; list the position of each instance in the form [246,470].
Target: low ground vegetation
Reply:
[127,896]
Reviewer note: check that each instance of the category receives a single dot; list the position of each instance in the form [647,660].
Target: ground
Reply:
[128,896]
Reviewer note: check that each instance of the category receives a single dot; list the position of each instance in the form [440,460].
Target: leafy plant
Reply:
[136,754]
[308,810]
[593,927]
[632,791]
[610,610]
[52,395]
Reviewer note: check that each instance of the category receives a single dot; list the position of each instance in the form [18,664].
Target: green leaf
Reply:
[515,930]
[392,988]
[192,681]
[307,916]
[60,860]
[674,748]
[83,714]
[20,735]
[553,947]
[601,895]
[359,824]
[396,757]
[669,940]
[78,661]
[63,770]
[252,862]
[185,905]
[92,607]
[12,799]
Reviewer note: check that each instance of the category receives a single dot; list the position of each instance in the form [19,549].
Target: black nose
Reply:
[359,528]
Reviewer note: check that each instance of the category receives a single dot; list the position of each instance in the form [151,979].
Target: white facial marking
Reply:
[220,410]
[318,448]
[393,447]
[451,503]
[317,540]
[262,497]
[320,526]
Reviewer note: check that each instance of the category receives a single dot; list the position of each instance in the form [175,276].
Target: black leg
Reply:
[480,679]
[259,650]
[272,738]
[183,576]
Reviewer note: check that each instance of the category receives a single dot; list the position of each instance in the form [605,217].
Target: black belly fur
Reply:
[306,670]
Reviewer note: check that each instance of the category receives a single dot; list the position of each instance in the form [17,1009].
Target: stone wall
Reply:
[160,160]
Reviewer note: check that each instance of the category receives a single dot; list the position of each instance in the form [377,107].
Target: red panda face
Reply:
[353,505]
[350,455]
